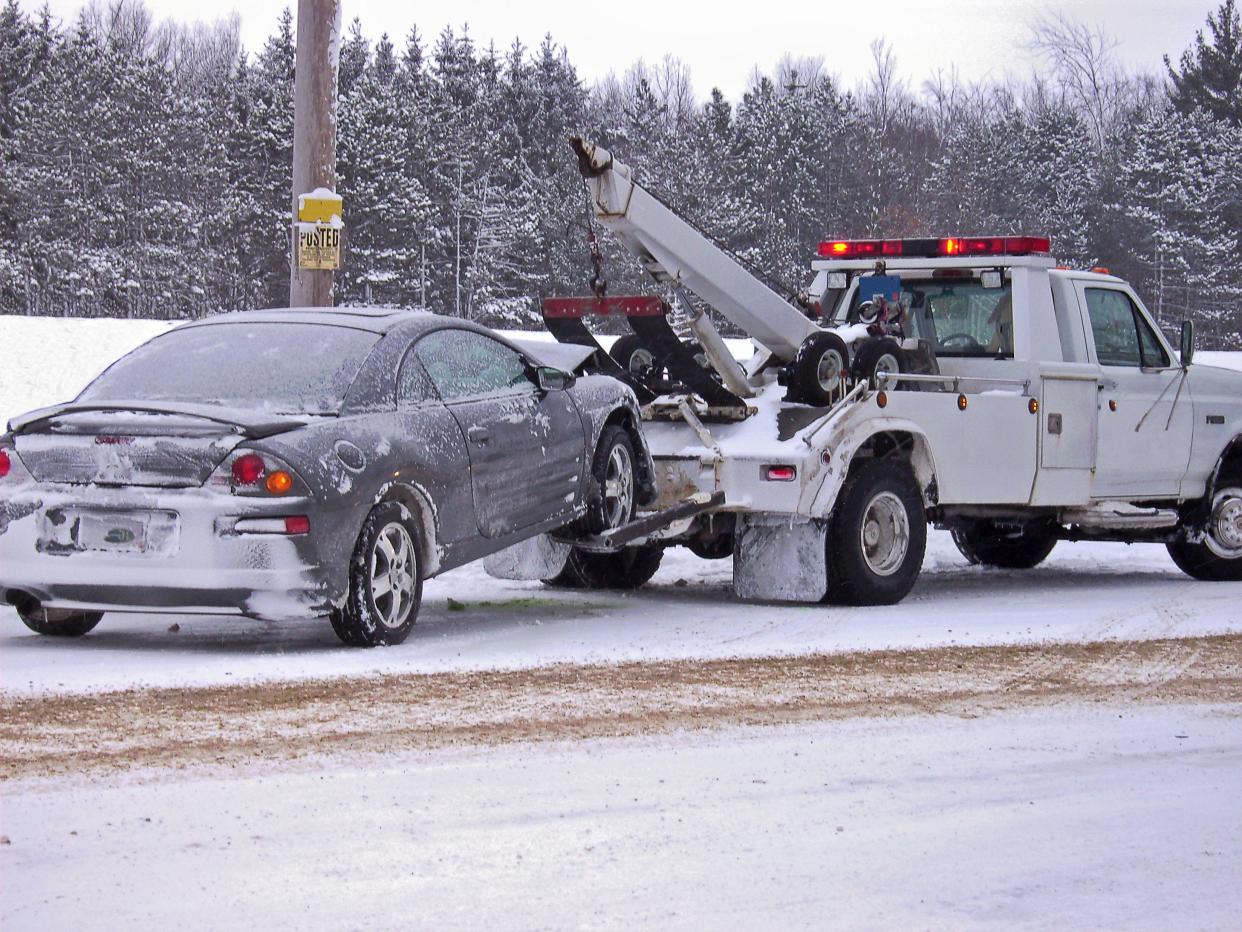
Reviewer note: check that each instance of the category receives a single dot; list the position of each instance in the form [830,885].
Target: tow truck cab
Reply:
[1111,411]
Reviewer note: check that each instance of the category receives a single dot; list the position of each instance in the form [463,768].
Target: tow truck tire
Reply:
[630,354]
[55,622]
[876,354]
[625,569]
[877,536]
[821,367]
[1218,557]
[983,542]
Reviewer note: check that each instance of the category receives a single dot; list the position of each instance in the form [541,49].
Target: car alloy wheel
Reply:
[618,487]
[394,575]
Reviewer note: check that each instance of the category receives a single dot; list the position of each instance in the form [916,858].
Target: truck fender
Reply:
[883,437]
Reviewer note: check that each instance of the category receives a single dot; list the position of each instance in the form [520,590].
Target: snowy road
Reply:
[1107,816]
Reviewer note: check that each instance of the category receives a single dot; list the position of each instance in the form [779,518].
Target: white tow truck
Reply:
[969,383]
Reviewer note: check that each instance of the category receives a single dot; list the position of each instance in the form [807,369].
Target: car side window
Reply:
[462,364]
[413,384]
[1122,336]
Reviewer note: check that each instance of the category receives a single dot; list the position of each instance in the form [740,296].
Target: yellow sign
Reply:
[320,206]
[319,246]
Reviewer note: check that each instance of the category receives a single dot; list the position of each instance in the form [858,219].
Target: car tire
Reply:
[611,504]
[982,542]
[55,622]
[1218,556]
[876,354]
[385,581]
[877,536]
[821,368]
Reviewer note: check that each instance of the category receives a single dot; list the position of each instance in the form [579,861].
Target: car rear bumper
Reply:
[192,557]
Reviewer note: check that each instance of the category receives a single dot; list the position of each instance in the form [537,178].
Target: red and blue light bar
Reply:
[945,247]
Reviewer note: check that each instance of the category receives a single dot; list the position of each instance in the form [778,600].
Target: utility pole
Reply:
[314,153]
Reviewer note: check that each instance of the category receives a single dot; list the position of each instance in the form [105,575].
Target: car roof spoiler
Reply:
[252,424]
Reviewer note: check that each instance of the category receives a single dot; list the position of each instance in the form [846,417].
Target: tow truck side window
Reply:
[1122,336]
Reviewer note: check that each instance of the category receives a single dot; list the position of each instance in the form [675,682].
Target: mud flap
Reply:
[780,558]
[540,557]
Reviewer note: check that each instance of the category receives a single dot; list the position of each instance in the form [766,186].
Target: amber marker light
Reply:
[1033,406]
[1112,404]
[279,482]
[881,398]
[962,402]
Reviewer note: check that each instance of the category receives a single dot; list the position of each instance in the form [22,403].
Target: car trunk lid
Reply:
[123,447]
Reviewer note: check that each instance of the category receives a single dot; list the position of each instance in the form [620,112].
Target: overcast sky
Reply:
[722,42]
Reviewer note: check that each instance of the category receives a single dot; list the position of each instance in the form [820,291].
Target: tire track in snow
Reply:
[238,725]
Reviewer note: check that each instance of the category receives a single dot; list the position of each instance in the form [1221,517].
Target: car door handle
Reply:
[1107,385]
[478,434]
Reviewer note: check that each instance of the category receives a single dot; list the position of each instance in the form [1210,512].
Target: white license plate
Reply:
[155,533]
[121,533]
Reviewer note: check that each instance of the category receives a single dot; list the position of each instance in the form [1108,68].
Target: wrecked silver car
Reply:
[295,463]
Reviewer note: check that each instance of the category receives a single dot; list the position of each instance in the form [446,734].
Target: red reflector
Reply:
[297,524]
[6,464]
[780,473]
[248,469]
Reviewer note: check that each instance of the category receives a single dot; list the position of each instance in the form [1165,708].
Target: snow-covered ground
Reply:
[1099,817]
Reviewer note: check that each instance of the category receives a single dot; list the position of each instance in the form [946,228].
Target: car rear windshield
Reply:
[286,368]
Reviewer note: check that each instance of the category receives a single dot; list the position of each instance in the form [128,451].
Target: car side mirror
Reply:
[1188,342]
[550,379]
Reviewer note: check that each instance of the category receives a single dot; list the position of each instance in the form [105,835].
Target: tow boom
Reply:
[675,252]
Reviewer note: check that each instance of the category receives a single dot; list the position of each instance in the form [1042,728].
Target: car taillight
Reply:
[6,464]
[297,524]
[250,473]
[279,482]
[248,469]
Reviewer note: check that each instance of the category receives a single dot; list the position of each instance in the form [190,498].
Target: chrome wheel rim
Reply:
[640,361]
[831,365]
[618,487]
[887,363]
[394,575]
[885,534]
[1224,531]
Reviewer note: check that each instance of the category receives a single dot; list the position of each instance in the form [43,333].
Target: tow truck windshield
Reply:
[958,317]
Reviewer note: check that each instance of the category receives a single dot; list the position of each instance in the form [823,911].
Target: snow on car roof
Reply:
[373,319]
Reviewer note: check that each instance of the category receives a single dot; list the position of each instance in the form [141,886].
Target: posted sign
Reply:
[319,230]
[319,246]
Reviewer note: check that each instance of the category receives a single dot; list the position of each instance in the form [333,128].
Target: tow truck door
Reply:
[1144,407]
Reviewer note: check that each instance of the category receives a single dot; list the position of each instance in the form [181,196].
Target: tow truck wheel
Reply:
[877,536]
[875,356]
[55,622]
[821,366]
[984,542]
[632,356]
[1218,556]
